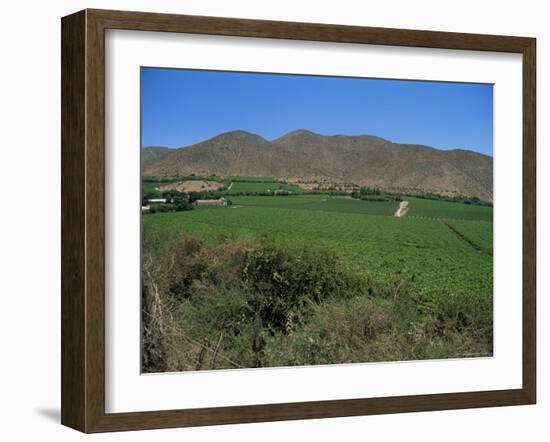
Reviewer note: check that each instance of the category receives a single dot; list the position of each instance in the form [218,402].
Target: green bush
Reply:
[286,282]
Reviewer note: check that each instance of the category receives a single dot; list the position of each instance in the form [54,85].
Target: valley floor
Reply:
[417,286]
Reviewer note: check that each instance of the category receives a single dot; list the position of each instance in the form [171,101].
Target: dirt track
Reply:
[403,209]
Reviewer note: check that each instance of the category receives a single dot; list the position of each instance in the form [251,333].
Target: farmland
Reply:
[151,187]
[273,186]
[357,231]
[288,272]
[323,203]
[232,185]
[447,210]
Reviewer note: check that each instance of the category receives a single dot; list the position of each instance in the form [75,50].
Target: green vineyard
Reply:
[364,234]
[309,278]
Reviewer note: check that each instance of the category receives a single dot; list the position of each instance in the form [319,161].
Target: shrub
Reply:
[286,282]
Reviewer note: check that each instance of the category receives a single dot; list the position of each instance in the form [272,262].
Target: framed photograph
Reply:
[267,220]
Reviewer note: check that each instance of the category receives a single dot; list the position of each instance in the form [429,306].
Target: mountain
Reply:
[365,160]
[152,152]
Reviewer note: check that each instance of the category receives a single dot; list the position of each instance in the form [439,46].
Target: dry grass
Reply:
[192,186]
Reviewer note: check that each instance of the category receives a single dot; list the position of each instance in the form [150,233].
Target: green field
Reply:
[384,247]
[323,203]
[479,233]
[309,279]
[259,186]
[446,210]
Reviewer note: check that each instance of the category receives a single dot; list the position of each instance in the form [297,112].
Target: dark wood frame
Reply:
[83,216]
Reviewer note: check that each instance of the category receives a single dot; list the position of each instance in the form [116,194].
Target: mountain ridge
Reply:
[366,160]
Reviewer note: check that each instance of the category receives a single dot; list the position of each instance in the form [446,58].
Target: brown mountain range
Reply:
[365,160]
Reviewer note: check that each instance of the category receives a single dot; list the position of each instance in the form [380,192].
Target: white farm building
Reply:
[219,202]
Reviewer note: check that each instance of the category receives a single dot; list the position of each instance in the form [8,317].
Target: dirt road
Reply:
[402,209]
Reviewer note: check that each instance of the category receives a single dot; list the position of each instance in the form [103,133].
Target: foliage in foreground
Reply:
[246,303]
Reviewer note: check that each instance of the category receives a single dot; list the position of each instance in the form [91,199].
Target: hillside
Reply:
[152,152]
[365,160]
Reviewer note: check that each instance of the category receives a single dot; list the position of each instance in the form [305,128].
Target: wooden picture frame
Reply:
[83,220]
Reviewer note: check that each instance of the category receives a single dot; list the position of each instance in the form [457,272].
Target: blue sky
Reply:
[182,107]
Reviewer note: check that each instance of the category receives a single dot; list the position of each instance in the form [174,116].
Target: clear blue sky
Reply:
[182,107]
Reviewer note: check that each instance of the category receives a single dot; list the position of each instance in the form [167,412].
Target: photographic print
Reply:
[300,220]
